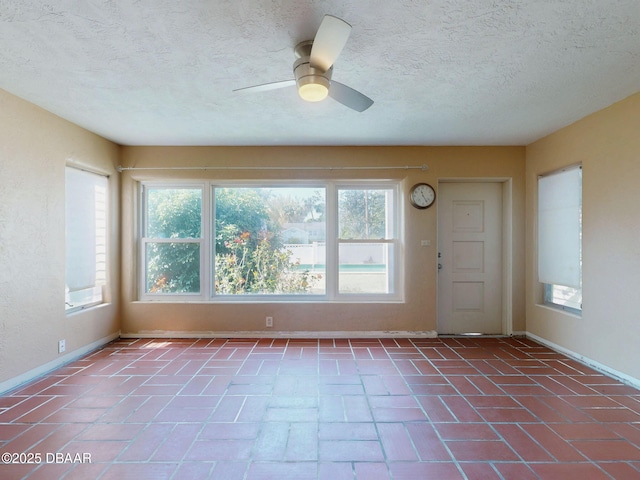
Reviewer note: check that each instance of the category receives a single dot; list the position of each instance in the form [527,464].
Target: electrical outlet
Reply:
[269,321]
[62,346]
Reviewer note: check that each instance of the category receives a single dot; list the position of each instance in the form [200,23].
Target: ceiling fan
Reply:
[314,65]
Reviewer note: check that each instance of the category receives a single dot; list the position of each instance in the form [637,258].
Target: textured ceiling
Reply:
[441,72]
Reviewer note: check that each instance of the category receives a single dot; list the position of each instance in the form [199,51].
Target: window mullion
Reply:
[172,240]
[332,241]
[365,240]
[205,246]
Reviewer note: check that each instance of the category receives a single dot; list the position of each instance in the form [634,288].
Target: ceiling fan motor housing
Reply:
[313,83]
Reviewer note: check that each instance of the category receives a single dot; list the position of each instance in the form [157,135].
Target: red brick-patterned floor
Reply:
[339,409]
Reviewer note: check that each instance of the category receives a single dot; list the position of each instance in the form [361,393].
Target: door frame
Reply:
[507,246]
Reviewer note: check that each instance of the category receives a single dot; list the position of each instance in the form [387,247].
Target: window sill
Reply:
[357,301]
[81,308]
[559,309]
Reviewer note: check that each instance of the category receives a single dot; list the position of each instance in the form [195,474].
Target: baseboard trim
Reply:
[277,334]
[34,373]
[623,377]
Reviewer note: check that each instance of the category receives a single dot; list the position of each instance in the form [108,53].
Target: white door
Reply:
[470,258]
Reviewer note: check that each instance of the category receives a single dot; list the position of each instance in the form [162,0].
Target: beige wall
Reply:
[35,146]
[417,313]
[607,143]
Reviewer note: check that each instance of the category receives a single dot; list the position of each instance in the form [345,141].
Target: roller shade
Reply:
[559,228]
[86,228]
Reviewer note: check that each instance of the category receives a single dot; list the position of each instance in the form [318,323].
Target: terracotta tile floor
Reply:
[323,409]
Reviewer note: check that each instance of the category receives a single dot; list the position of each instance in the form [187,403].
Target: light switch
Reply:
[425,243]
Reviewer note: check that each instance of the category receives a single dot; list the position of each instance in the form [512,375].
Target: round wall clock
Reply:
[422,195]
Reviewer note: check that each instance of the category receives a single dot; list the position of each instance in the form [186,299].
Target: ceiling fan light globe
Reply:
[313,92]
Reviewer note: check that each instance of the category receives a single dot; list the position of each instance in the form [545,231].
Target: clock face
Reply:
[422,195]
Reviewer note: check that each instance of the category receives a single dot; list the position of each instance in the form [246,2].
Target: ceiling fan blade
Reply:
[349,97]
[266,86]
[330,39]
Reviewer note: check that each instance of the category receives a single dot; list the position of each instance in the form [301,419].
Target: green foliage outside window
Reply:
[174,213]
[249,254]
[260,269]
[362,214]
[173,267]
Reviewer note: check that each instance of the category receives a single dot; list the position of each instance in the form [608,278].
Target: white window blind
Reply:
[559,228]
[86,237]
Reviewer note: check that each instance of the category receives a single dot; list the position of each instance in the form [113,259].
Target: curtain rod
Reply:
[422,167]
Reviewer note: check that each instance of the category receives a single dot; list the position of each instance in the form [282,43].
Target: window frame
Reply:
[144,241]
[94,295]
[258,297]
[549,290]
[208,235]
[392,239]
